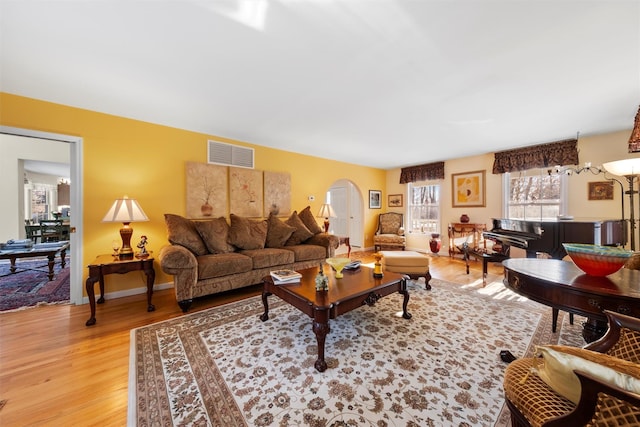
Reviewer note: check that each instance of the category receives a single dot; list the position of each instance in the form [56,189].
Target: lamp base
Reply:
[326,225]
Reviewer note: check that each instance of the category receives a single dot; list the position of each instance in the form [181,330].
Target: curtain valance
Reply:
[422,172]
[537,156]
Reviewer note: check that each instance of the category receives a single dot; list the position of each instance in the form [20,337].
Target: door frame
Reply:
[76,168]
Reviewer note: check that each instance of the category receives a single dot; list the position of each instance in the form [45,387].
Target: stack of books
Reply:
[283,277]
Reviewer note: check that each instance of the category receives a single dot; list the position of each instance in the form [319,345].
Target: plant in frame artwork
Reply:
[375,199]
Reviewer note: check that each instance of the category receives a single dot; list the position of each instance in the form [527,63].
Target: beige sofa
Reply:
[210,256]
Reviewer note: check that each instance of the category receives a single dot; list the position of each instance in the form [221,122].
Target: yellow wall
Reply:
[597,149]
[146,161]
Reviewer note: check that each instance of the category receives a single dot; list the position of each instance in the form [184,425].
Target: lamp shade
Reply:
[326,211]
[125,210]
[624,167]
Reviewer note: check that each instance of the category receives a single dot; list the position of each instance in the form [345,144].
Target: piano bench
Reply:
[487,257]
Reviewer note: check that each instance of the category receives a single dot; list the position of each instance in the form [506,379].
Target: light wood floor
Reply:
[56,371]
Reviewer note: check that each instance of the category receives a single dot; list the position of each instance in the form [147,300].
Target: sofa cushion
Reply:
[558,363]
[307,252]
[182,231]
[246,233]
[301,234]
[269,257]
[215,233]
[218,265]
[277,232]
[307,218]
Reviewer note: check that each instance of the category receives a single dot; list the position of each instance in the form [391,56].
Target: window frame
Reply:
[433,225]
[506,192]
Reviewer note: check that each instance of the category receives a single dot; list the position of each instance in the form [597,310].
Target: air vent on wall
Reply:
[231,155]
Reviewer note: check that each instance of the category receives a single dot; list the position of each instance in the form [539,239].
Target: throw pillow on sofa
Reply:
[301,234]
[245,233]
[215,233]
[183,232]
[277,232]
[309,220]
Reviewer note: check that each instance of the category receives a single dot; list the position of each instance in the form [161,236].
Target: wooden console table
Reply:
[466,232]
[108,264]
[563,286]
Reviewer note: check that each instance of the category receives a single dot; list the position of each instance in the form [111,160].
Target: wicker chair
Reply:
[534,403]
[390,233]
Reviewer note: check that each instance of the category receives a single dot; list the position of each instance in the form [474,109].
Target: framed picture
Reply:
[601,190]
[395,200]
[375,199]
[468,189]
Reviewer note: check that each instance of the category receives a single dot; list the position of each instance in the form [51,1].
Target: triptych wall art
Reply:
[214,191]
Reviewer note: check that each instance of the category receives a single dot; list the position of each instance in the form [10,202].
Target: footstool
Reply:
[413,264]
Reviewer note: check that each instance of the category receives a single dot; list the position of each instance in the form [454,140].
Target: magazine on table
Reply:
[281,277]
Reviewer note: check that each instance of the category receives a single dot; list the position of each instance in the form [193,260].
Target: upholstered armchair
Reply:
[566,386]
[390,233]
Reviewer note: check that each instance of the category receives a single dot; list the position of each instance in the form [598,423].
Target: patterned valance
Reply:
[537,156]
[422,172]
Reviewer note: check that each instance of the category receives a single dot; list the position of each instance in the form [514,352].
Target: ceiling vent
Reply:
[230,155]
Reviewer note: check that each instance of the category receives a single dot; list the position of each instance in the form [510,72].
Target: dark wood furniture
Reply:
[355,289]
[108,264]
[344,240]
[467,234]
[33,232]
[38,250]
[563,286]
[547,236]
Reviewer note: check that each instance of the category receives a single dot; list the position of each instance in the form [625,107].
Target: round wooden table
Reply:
[563,286]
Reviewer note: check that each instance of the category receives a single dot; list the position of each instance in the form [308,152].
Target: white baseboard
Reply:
[129,292]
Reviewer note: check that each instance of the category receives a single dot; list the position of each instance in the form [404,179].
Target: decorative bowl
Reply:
[338,265]
[597,260]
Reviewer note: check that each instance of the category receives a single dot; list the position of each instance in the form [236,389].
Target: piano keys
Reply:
[548,235]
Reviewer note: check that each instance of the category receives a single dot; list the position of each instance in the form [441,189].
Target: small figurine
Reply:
[143,247]
[322,281]
[377,267]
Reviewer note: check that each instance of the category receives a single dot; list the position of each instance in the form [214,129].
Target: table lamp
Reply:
[126,211]
[326,212]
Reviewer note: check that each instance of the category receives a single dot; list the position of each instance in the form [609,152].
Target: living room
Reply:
[58,371]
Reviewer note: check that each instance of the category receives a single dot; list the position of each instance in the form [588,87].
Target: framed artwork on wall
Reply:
[395,200]
[375,199]
[601,190]
[468,189]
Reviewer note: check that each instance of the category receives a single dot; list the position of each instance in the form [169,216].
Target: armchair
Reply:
[534,403]
[390,231]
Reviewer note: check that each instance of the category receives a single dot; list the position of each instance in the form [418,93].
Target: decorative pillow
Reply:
[309,220]
[277,232]
[215,233]
[558,363]
[301,234]
[245,233]
[183,232]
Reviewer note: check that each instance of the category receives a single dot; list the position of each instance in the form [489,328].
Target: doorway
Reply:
[346,199]
[75,236]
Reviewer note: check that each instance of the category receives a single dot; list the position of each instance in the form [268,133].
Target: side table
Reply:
[345,240]
[108,264]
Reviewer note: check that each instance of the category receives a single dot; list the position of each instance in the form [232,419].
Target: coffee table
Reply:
[357,288]
[48,250]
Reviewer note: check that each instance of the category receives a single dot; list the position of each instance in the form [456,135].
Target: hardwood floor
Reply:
[56,371]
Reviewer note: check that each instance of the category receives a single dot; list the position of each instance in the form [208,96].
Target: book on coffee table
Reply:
[281,277]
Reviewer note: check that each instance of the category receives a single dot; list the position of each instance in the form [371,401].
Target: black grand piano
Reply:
[548,235]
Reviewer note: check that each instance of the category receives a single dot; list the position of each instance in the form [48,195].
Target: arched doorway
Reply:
[348,204]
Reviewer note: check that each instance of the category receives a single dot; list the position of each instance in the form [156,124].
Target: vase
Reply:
[464,218]
[435,243]
[206,209]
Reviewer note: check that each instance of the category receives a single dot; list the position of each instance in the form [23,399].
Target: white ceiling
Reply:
[382,83]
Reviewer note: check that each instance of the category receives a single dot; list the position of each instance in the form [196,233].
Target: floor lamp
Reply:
[630,169]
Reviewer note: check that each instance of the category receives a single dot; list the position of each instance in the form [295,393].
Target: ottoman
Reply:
[411,263]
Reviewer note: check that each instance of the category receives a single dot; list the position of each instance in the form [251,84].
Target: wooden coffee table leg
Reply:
[265,303]
[405,301]
[321,329]
[52,262]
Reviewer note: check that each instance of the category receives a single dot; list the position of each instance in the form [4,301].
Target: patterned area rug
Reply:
[30,286]
[223,366]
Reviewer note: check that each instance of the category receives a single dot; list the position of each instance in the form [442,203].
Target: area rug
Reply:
[30,286]
[225,367]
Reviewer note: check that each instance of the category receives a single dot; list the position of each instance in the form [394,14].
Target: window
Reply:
[534,194]
[423,208]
